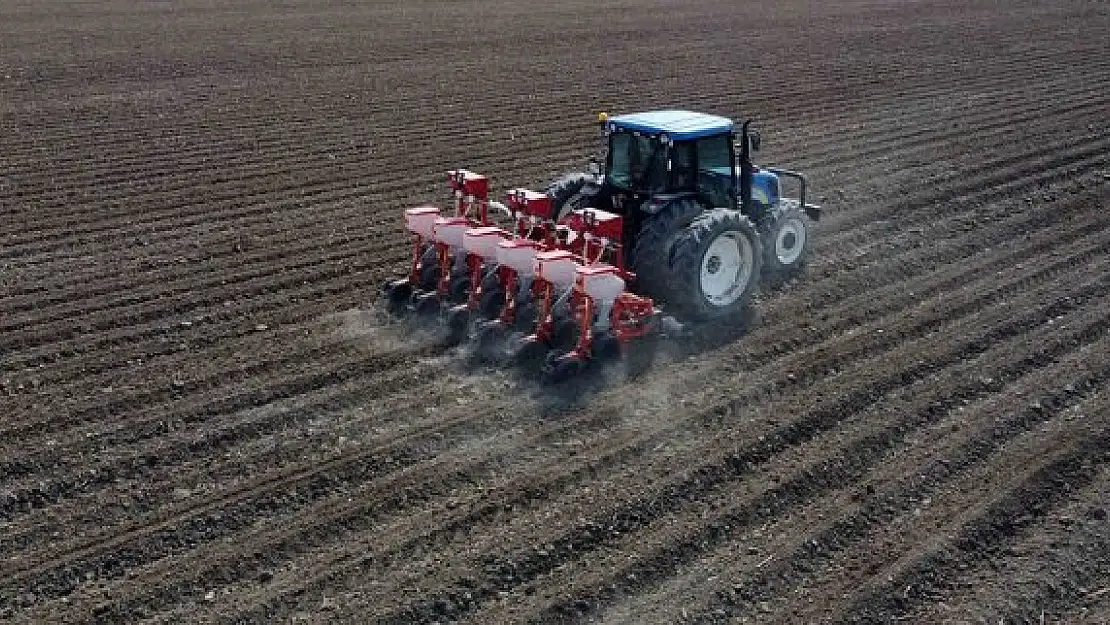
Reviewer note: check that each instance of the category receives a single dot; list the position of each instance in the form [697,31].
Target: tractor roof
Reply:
[679,125]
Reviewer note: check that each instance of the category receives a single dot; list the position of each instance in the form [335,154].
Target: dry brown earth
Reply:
[199,423]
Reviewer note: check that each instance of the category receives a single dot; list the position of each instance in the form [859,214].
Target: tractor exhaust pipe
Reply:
[745,168]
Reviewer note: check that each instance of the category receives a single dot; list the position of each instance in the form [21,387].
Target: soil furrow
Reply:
[333,168]
[1044,272]
[504,573]
[879,506]
[982,344]
[988,532]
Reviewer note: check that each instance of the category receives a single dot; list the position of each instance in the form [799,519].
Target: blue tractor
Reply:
[703,224]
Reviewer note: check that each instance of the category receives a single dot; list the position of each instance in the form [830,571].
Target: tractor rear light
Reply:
[421,220]
[451,230]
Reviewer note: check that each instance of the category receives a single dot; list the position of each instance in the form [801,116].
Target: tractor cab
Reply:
[673,152]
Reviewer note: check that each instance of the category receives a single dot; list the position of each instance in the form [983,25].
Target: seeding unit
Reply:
[681,215]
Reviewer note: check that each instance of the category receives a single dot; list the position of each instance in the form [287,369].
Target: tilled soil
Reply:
[204,419]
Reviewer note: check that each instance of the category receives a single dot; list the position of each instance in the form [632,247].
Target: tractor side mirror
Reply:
[594,168]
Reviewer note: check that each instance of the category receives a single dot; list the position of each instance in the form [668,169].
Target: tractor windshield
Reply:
[637,163]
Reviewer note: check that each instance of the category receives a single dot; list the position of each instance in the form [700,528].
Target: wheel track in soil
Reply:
[925,201]
[579,574]
[82,453]
[675,494]
[28,303]
[832,543]
[1068,574]
[684,541]
[1003,521]
[233,574]
[981,422]
[526,565]
[941,529]
[330,167]
[961,277]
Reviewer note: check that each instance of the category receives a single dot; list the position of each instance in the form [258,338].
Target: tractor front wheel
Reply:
[716,265]
[785,246]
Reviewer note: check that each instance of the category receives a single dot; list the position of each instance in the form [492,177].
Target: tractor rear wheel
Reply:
[784,247]
[567,193]
[651,254]
[715,265]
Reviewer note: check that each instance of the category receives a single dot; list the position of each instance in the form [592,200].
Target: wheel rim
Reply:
[790,242]
[726,268]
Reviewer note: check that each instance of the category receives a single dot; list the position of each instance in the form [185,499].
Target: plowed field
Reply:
[201,421]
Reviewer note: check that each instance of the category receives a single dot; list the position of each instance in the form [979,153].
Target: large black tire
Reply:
[715,266]
[785,245]
[570,192]
[651,255]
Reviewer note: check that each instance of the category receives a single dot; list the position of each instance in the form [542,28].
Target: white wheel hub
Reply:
[790,241]
[726,268]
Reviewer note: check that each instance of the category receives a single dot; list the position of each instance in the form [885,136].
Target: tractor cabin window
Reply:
[715,169]
[637,162]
